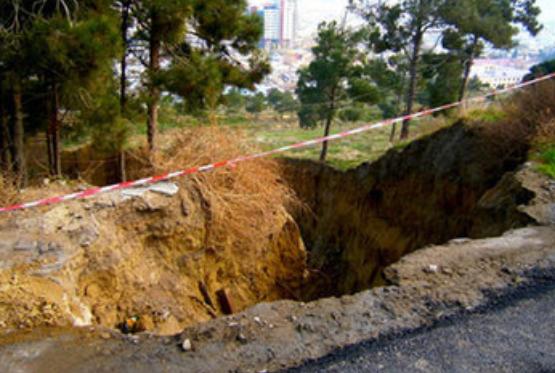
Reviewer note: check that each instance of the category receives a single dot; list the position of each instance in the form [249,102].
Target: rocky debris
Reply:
[166,189]
[186,345]
[432,268]
[101,263]
[311,330]
[163,188]
[25,246]
[445,186]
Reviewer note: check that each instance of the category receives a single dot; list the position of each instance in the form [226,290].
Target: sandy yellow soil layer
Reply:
[103,261]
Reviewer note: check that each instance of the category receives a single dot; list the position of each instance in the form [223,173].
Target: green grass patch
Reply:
[547,159]
[492,114]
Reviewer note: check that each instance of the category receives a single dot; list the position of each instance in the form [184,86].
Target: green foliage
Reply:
[109,131]
[282,102]
[199,81]
[472,23]
[390,76]
[544,68]
[333,76]
[442,74]
[234,100]
[203,67]
[256,103]
[492,114]
[547,158]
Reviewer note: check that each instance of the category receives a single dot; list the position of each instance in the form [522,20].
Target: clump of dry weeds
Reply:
[8,192]
[529,115]
[243,201]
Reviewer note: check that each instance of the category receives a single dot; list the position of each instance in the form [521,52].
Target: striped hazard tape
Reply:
[232,162]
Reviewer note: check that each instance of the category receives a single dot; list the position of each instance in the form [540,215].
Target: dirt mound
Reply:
[102,262]
[167,257]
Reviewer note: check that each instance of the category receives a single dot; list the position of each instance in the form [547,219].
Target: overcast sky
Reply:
[312,12]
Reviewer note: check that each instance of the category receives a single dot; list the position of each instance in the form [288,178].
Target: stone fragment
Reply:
[166,189]
[186,345]
[87,236]
[241,338]
[432,268]
[25,245]
[459,241]
[225,301]
[134,192]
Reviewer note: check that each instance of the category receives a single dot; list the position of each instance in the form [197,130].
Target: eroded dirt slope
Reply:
[458,182]
[109,259]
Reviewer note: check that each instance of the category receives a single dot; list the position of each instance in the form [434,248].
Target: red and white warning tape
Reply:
[151,180]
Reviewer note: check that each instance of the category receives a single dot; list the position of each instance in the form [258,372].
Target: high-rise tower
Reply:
[289,22]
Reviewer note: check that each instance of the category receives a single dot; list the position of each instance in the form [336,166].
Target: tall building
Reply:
[280,23]
[272,25]
[289,22]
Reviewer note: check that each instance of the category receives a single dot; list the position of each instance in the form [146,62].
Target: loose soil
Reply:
[148,258]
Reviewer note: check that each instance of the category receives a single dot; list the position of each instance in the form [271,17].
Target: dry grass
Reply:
[242,201]
[528,116]
[8,192]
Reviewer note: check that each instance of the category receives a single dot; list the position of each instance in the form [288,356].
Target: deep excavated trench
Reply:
[107,260]
[458,182]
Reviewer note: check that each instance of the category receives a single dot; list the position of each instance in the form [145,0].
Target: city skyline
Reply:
[313,12]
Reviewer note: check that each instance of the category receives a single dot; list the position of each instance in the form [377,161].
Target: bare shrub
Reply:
[243,200]
[529,114]
[8,192]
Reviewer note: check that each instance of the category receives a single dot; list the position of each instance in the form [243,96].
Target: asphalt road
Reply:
[515,335]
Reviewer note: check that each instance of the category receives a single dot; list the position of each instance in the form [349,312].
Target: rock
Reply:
[52,246]
[186,345]
[87,236]
[104,202]
[257,320]
[226,303]
[459,241]
[166,189]
[447,271]
[43,248]
[241,338]
[105,335]
[185,208]
[25,245]
[151,203]
[432,268]
[134,192]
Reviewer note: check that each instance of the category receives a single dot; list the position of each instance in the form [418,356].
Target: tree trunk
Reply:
[153,91]
[54,147]
[398,103]
[123,81]
[19,135]
[413,80]
[467,69]
[324,152]
[5,141]
[125,43]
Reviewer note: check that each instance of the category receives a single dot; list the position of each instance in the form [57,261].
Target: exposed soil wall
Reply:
[109,259]
[455,183]
[154,255]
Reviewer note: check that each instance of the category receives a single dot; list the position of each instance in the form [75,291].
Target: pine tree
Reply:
[333,76]
[76,56]
[401,28]
[473,23]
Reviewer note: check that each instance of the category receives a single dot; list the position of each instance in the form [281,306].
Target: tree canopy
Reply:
[335,75]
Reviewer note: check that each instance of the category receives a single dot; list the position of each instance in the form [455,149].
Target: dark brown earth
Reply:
[276,335]
[441,227]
